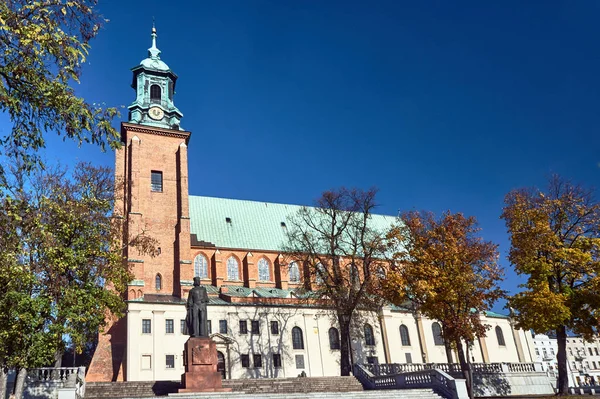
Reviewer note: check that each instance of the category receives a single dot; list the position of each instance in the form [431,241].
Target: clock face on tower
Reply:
[156,113]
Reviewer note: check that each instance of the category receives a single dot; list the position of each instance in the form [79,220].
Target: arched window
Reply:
[404,337]
[200,266]
[155,93]
[297,340]
[263,270]
[354,280]
[294,272]
[132,294]
[319,273]
[233,269]
[334,338]
[158,282]
[436,330]
[369,336]
[500,336]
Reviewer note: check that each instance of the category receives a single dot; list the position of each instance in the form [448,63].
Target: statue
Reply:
[196,321]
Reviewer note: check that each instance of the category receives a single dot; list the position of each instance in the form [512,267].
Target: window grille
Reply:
[294,272]
[274,328]
[233,269]
[404,337]
[299,361]
[169,326]
[334,338]
[297,339]
[156,181]
[500,336]
[223,326]
[245,360]
[170,361]
[263,270]
[255,327]
[200,266]
[146,326]
[436,330]
[155,94]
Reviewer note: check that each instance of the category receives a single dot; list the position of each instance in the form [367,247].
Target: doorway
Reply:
[221,365]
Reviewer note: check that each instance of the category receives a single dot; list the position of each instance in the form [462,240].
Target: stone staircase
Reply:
[294,385]
[267,388]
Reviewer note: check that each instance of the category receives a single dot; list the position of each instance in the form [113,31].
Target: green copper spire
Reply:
[154,83]
[154,52]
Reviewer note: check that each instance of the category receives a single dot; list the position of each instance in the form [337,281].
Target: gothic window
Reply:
[319,273]
[334,338]
[233,269]
[201,266]
[297,340]
[404,337]
[354,280]
[369,336]
[437,334]
[500,336]
[155,94]
[158,282]
[294,273]
[263,270]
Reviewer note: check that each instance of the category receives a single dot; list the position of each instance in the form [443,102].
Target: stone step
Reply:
[383,394]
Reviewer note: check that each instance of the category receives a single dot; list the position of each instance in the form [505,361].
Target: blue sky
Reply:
[441,105]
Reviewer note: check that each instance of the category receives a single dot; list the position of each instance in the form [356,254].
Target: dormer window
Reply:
[155,94]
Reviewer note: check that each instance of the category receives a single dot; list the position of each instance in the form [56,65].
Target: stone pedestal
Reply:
[200,361]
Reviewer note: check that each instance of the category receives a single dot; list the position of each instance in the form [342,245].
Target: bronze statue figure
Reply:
[196,320]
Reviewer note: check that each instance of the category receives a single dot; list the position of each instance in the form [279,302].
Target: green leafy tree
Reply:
[342,254]
[555,242]
[64,269]
[43,46]
[448,272]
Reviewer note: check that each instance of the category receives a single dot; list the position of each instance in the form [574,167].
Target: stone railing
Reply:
[453,368]
[435,379]
[61,383]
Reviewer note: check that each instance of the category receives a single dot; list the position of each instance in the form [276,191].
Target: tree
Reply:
[64,267]
[44,44]
[342,253]
[555,242]
[448,272]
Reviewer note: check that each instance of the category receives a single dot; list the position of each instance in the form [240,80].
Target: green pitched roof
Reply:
[253,225]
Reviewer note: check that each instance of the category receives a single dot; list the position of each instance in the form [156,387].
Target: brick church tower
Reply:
[152,164]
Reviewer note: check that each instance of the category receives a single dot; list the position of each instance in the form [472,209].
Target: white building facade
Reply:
[261,341]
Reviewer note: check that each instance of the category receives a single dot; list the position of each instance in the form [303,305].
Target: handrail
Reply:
[70,378]
[435,379]
[453,369]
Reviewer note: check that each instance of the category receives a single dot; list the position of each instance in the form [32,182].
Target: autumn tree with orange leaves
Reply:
[555,241]
[450,273]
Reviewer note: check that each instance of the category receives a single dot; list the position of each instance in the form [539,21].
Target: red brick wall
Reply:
[162,215]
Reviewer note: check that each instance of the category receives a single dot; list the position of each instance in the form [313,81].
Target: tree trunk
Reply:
[19,386]
[562,384]
[58,358]
[3,381]
[448,351]
[345,364]
[464,366]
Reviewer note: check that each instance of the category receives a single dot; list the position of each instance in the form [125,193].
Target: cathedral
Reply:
[261,328]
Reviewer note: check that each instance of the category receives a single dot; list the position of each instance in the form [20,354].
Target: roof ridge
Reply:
[271,203]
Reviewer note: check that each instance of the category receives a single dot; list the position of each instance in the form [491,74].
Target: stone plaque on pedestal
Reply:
[200,360]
